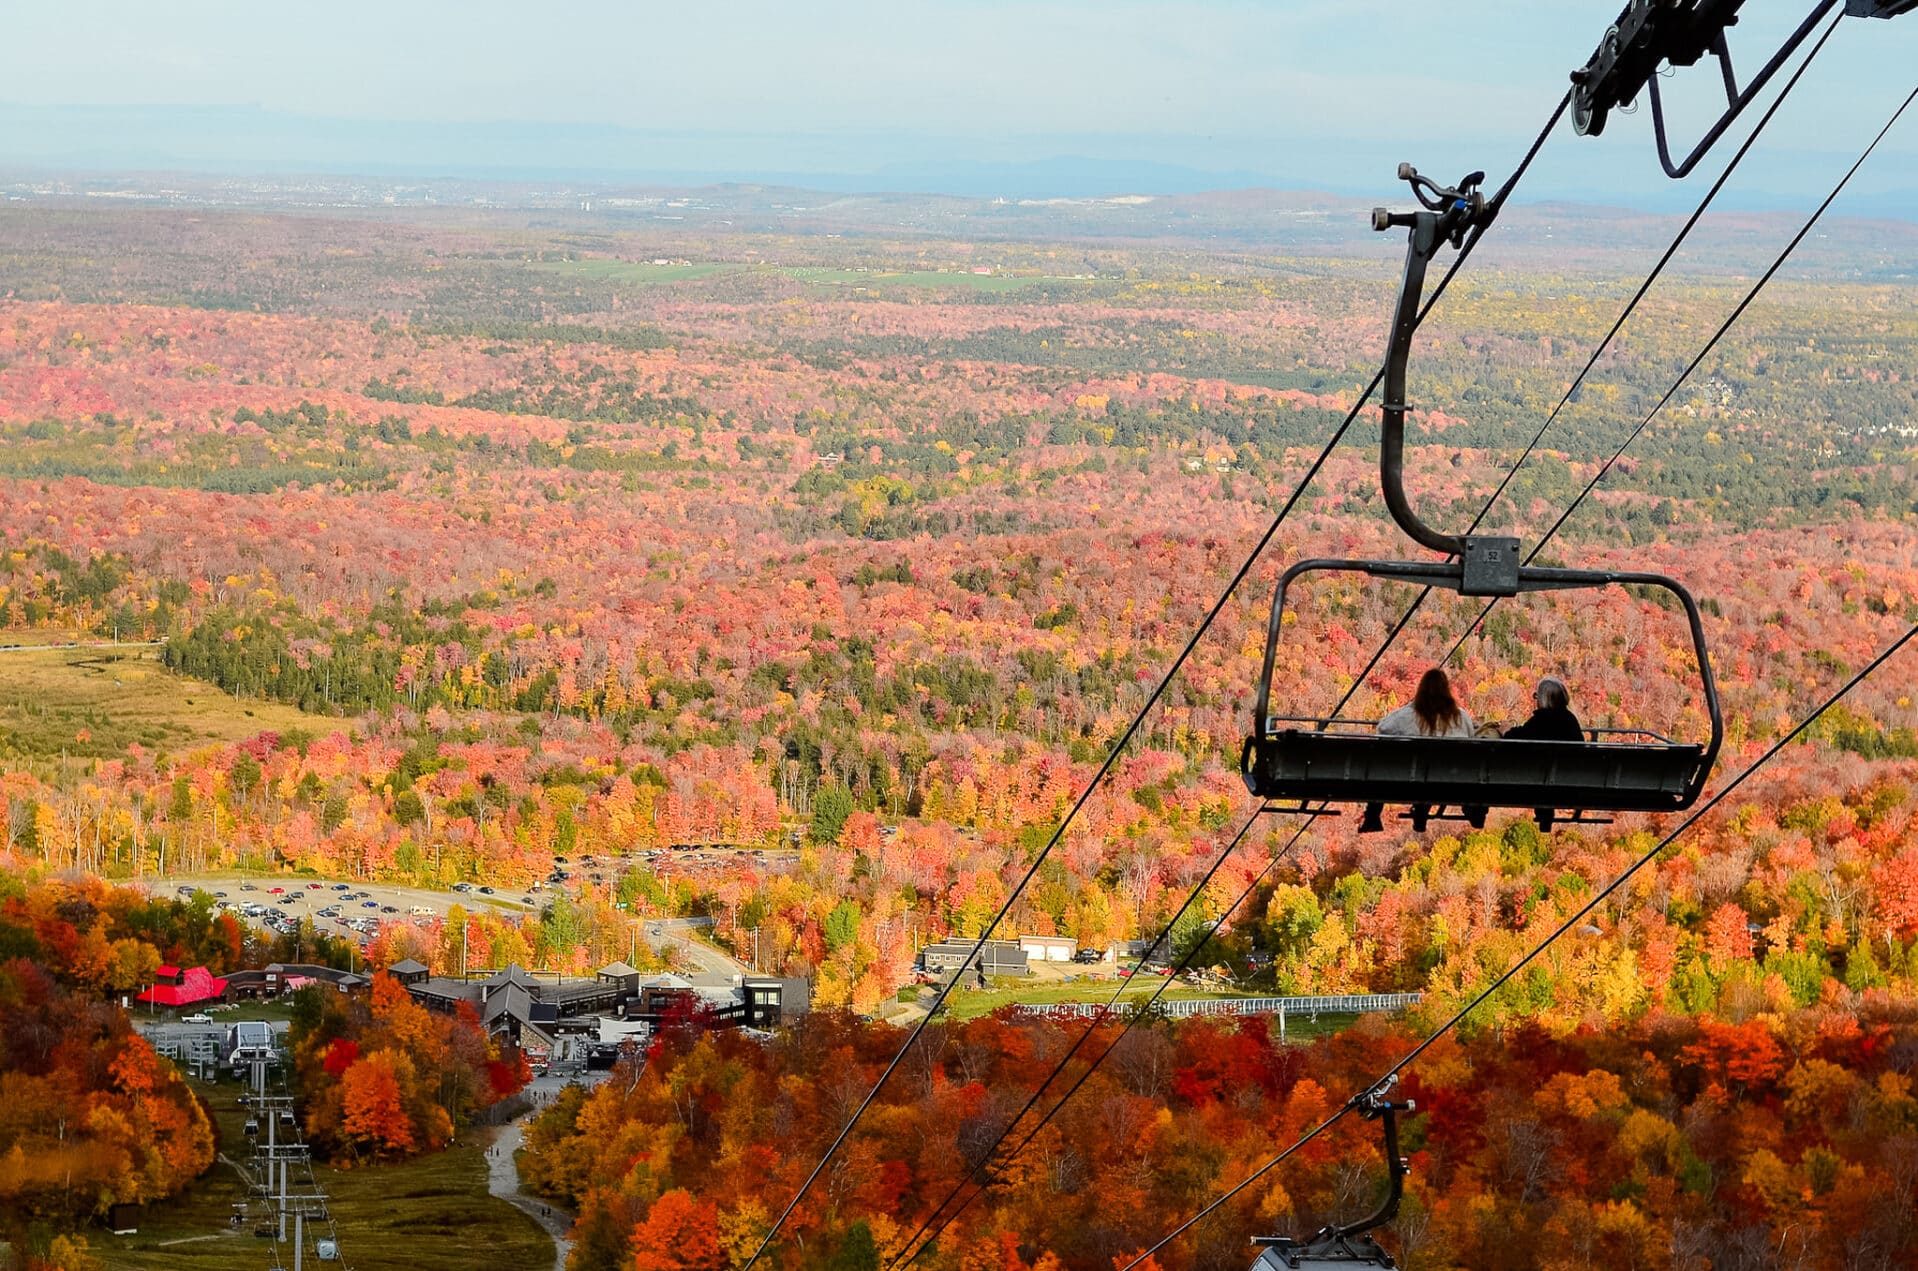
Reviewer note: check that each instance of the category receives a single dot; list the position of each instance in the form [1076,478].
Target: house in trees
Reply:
[276,978]
[175,987]
[995,957]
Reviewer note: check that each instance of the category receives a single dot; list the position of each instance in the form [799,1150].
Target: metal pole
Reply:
[299,1238]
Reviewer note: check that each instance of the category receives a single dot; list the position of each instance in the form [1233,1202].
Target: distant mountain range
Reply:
[247,141]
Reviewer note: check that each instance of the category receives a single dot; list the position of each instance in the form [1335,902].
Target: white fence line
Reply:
[1184,1007]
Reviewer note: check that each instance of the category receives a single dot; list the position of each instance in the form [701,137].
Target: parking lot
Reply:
[334,906]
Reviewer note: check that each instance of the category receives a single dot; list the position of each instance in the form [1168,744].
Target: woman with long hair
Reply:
[1433,712]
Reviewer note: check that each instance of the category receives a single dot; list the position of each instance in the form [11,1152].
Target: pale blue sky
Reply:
[1303,92]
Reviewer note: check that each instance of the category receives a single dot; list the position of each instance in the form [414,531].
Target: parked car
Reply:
[201,1018]
[1089,956]
[286,900]
[248,887]
[419,909]
[276,891]
[219,895]
[315,886]
[185,891]
[486,891]
[462,887]
[389,909]
[342,887]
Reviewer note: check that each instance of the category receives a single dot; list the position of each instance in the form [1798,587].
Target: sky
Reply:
[1323,94]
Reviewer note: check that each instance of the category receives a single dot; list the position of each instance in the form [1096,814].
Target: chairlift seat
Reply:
[1333,767]
[1325,761]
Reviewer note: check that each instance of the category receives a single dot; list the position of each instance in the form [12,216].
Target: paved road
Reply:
[502,1179]
[709,967]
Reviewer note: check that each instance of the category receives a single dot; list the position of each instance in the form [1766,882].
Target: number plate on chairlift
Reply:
[1491,567]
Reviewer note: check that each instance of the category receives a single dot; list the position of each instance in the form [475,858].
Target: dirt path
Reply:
[502,1179]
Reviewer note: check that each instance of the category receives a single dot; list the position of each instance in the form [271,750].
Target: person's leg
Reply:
[1475,817]
[1373,821]
[1420,814]
[1545,816]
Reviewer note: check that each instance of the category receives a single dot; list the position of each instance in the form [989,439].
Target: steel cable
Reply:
[1492,209]
[1505,976]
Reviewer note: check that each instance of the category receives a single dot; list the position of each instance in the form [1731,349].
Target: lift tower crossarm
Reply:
[1653,33]
[1348,1243]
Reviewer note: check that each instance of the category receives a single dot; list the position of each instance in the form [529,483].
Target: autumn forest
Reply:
[800,569]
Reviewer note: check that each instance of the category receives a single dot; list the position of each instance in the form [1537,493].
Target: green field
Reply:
[83,703]
[967,1004]
[433,1214]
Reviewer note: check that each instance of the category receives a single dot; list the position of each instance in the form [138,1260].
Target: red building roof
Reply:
[197,984]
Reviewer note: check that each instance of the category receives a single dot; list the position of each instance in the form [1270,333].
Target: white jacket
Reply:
[1404,722]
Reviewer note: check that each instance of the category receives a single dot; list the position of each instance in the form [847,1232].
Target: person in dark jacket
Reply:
[1551,721]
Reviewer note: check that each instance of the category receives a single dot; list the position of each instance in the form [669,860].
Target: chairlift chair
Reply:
[1322,761]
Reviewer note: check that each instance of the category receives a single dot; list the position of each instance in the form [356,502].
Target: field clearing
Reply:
[971,1003]
[636,271]
[432,1214]
[644,272]
[923,278]
[93,702]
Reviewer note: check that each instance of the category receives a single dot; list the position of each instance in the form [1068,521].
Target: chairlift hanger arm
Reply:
[1446,214]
